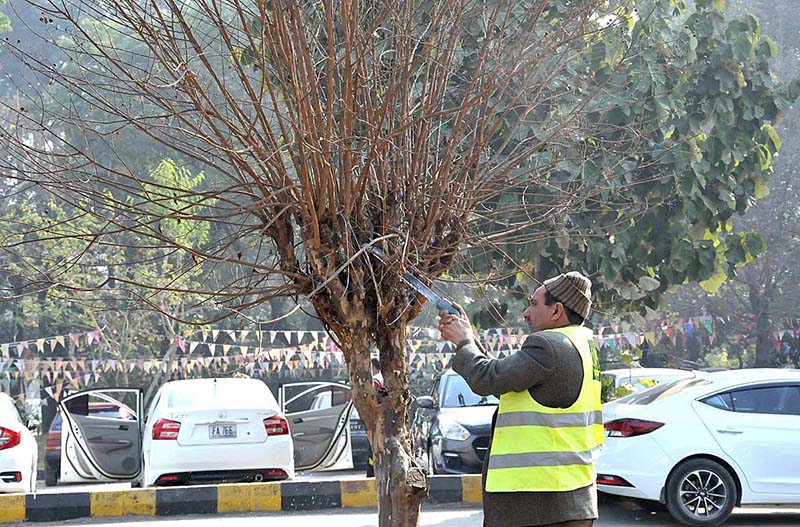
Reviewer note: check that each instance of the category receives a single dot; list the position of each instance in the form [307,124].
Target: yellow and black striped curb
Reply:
[212,499]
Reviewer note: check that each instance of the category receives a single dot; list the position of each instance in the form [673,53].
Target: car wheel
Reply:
[50,478]
[701,492]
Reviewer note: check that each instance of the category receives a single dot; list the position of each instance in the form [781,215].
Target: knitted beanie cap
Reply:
[573,290]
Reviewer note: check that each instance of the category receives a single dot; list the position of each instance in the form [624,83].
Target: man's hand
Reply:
[454,328]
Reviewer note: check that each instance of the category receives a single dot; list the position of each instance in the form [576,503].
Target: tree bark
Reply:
[760,301]
[401,484]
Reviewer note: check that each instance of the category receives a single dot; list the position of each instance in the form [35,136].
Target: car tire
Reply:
[50,478]
[701,492]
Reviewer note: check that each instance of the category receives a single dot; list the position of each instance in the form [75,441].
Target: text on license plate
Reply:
[221,431]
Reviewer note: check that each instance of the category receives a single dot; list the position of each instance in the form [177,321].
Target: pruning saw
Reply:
[439,302]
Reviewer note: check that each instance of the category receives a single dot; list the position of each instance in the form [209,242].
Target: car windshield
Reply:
[662,391]
[223,395]
[457,394]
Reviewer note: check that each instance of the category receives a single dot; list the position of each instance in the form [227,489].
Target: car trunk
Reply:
[221,426]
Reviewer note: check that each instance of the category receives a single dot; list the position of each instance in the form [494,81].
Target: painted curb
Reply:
[213,499]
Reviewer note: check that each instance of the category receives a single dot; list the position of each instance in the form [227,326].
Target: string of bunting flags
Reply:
[64,361]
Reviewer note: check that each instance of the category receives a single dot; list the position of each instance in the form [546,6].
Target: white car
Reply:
[18,451]
[216,430]
[707,443]
[197,431]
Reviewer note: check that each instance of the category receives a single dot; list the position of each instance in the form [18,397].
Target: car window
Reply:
[153,406]
[319,398]
[93,405]
[321,401]
[779,400]
[663,391]
[721,401]
[219,395]
[458,394]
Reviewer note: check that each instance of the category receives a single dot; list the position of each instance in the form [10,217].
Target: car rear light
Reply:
[8,438]
[166,429]
[11,477]
[630,427]
[276,473]
[615,481]
[168,478]
[53,442]
[276,426]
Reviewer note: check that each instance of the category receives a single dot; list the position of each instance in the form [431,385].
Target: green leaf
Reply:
[715,281]
[761,190]
[768,47]
[754,243]
[773,136]
[647,283]
[742,47]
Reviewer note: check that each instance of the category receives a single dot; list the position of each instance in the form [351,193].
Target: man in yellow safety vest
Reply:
[548,429]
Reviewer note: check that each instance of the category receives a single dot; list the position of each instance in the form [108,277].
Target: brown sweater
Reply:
[549,366]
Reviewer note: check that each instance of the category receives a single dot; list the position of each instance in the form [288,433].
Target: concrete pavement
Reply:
[613,513]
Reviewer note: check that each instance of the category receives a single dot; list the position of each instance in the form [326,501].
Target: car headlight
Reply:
[452,430]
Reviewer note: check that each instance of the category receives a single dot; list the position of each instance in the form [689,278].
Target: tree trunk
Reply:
[760,302]
[764,336]
[401,484]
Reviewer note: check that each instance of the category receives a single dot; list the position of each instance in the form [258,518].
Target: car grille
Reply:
[481,446]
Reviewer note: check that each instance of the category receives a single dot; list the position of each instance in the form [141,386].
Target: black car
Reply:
[359,442]
[452,426]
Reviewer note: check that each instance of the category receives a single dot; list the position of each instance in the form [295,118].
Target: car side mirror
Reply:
[425,402]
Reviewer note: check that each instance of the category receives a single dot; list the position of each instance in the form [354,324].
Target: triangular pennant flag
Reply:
[75,338]
[214,334]
[243,335]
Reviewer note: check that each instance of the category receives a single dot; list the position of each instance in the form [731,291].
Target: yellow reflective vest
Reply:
[543,449]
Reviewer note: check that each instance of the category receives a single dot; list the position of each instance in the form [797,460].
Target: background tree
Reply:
[126,290]
[428,129]
[757,301]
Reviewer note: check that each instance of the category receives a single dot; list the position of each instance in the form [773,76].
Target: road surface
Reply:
[613,513]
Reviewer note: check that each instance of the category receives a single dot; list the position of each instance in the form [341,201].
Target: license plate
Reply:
[221,431]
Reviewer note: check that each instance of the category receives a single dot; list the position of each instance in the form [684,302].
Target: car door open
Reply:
[104,426]
[318,414]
